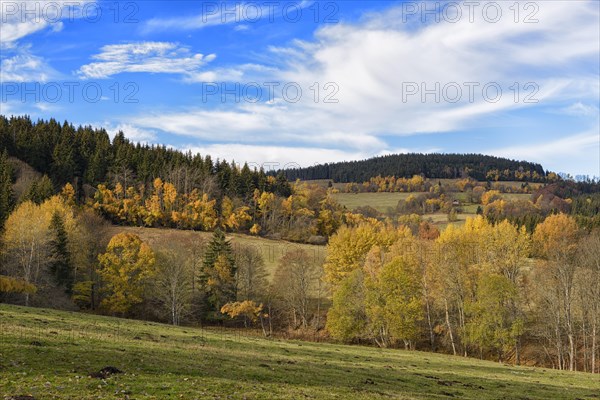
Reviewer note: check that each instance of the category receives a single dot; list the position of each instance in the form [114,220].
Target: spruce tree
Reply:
[60,264]
[6,192]
[40,190]
[218,271]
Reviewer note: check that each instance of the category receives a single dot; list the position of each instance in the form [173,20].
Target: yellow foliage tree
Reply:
[125,268]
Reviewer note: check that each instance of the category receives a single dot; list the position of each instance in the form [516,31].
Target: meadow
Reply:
[49,354]
[271,250]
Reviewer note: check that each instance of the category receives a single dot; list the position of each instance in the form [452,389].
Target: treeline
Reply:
[86,157]
[392,184]
[441,166]
[482,289]
[309,213]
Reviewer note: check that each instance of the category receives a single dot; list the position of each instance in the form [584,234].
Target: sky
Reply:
[295,83]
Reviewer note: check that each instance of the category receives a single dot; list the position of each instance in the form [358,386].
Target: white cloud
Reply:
[25,67]
[581,110]
[373,61]
[23,18]
[19,19]
[276,157]
[131,132]
[578,153]
[224,13]
[151,57]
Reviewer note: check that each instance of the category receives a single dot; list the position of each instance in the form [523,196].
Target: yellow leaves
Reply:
[68,194]
[490,196]
[125,267]
[349,246]
[557,235]
[29,223]
[255,230]
[246,308]
[170,195]
[158,185]
[265,201]
[12,285]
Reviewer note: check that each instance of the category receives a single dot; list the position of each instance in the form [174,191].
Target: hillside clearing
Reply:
[271,250]
[50,354]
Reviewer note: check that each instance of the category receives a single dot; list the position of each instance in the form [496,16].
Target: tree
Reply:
[89,238]
[60,266]
[295,278]
[218,271]
[26,242]
[6,192]
[347,319]
[588,282]
[347,249]
[492,325]
[13,285]
[40,190]
[173,284]
[555,240]
[125,267]
[490,196]
[252,276]
[398,284]
[248,309]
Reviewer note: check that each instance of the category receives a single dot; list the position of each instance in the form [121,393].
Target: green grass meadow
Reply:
[50,354]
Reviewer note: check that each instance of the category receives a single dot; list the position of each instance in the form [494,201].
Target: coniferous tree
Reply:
[218,271]
[60,264]
[40,190]
[6,192]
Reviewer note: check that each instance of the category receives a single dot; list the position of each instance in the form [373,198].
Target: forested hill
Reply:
[86,157]
[477,166]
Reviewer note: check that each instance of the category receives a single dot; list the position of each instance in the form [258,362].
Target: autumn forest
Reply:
[474,255]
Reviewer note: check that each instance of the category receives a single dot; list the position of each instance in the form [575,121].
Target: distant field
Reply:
[271,250]
[516,196]
[379,201]
[51,354]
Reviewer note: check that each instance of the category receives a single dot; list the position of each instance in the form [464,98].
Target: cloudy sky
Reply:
[297,83]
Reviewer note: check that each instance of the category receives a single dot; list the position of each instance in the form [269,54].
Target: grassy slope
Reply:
[379,201]
[383,201]
[164,362]
[271,250]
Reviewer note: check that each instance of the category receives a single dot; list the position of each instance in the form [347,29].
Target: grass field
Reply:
[50,354]
[379,201]
[382,201]
[271,250]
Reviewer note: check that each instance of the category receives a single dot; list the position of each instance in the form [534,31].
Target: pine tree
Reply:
[60,264]
[6,192]
[218,272]
[40,190]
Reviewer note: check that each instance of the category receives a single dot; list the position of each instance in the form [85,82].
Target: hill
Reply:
[271,250]
[445,166]
[51,354]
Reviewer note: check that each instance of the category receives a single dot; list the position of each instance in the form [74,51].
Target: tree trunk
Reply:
[449,327]
[429,323]
[594,348]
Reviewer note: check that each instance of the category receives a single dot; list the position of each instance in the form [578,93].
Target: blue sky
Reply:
[285,83]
